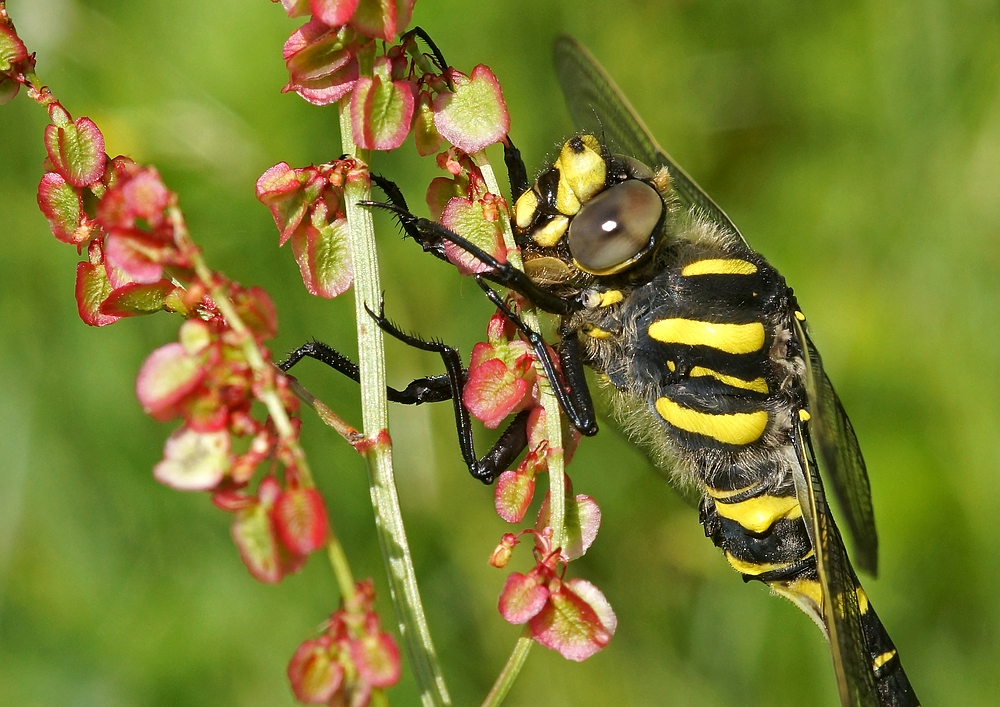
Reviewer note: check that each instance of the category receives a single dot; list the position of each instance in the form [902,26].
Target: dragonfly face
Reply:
[595,214]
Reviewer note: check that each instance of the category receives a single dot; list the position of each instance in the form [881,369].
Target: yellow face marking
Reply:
[733,428]
[862,600]
[757,385]
[719,266]
[549,234]
[597,333]
[671,366]
[731,338]
[611,297]
[716,493]
[883,659]
[804,415]
[524,208]
[754,569]
[800,316]
[581,169]
[566,200]
[760,513]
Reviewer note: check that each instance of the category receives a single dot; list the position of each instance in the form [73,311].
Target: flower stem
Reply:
[403,587]
[326,415]
[511,670]
[341,567]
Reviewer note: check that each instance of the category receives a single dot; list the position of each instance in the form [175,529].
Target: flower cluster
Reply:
[206,380]
[378,19]
[502,379]
[464,204]
[276,528]
[352,657]
[570,616]
[140,260]
[308,209]
[405,90]
[15,62]
[116,211]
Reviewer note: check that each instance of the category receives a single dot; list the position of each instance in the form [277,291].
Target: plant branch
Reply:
[511,670]
[326,415]
[268,394]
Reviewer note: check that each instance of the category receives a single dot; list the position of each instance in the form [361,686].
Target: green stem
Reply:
[403,587]
[325,414]
[511,670]
[341,567]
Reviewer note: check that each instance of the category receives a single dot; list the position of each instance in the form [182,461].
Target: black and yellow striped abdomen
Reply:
[705,344]
[763,536]
[762,533]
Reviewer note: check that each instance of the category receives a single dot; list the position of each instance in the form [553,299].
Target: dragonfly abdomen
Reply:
[761,530]
[894,689]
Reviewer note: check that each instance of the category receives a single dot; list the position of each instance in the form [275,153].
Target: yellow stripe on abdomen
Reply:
[730,428]
[758,568]
[752,568]
[757,385]
[760,513]
[809,588]
[719,266]
[730,338]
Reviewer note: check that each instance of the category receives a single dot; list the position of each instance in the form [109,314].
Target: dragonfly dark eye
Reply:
[614,227]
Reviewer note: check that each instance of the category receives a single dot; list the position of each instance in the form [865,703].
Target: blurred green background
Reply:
[857,145]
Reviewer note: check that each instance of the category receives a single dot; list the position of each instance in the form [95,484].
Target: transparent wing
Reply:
[598,107]
[840,458]
[841,612]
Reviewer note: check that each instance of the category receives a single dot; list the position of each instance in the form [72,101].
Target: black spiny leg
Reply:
[517,173]
[442,65]
[397,205]
[570,389]
[432,389]
[432,236]
[513,440]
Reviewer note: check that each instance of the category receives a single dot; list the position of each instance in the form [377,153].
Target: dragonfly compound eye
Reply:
[615,228]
